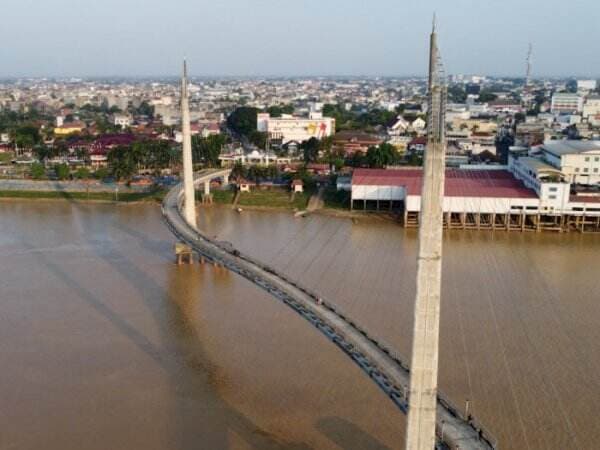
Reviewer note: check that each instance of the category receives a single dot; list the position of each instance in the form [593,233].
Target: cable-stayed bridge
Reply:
[376,359]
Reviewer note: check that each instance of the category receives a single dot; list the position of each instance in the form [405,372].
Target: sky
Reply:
[295,37]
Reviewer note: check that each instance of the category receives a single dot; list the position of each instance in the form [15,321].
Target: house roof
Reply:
[537,165]
[459,183]
[356,136]
[567,147]
[421,140]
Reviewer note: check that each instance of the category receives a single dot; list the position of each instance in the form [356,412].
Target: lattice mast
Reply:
[424,366]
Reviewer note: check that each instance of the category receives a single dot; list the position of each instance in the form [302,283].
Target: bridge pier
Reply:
[184,252]
[207,198]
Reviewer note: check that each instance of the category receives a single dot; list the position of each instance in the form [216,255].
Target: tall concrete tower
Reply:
[424,366]
[189,206]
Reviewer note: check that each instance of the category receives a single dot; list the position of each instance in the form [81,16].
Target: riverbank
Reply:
[325,211]
[104,197]
[268,199]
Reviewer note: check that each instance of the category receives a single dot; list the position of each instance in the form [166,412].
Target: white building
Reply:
[545,180]
[565,103]
[586,85]
[288,128]
[578,161]
[123,120]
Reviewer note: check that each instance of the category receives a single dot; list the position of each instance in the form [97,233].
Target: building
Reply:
[530,133]
[531,195]
[288,128]
[546,180]
[350,142]
[586,85]
[591,108]
[565,103]
[297,186]
[577,161]
[69,128]
[122,120]
[465,190]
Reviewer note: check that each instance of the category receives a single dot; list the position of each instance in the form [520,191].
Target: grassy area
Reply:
[335,199]
[274,198]
[98,196]
[220,196]
[6,157]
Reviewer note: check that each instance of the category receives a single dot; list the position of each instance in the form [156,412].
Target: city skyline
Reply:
[268,39]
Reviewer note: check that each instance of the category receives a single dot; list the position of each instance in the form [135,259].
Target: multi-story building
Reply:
[591,109]
[565,103]
[578,161]
[288,128]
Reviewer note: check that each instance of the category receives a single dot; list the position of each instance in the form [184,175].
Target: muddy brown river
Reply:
[105,343]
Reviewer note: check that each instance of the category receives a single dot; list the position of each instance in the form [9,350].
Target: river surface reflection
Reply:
[105,343]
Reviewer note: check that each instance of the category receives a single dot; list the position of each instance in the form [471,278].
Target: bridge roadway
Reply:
[380,363]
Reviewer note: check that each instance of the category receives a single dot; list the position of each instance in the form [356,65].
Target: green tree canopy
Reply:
[258,138]
[207,150]
[62,171]
[243,120]
[122,162]
[83,173]
[278,110]
[487,96]
[310,149]
[37,171]
[26,136]
[383,155]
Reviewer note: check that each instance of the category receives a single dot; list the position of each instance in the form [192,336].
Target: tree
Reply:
[487,96]
[122,163]
[26,136]
[207,150]
[83,173]
[62,171]
[358,159]
[415,160]
[457,94]
[37,171]
[310,149]
[278,110]
[101,173]
[42,152]
[258,138]
[243,120]
[239,171]
[145,109]
[383,155]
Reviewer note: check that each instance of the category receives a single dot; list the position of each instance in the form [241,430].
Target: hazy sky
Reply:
[295,37]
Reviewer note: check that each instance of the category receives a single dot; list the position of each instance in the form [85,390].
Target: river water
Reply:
[105,343]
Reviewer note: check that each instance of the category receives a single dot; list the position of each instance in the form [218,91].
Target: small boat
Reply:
[239,210]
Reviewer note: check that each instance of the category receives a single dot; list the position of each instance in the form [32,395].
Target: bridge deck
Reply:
[380,363]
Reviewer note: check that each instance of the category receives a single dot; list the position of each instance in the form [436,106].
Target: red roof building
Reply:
[459,182]
[485,191]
